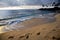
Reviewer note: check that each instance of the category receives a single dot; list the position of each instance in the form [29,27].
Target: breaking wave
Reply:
[15,17]
[8,16]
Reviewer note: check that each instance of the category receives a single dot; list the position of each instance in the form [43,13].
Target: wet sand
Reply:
[35,31]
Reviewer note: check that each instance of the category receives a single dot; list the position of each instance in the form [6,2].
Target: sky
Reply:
[27,2]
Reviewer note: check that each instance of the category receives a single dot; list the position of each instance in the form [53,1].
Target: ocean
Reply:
[14,19]
[12,16]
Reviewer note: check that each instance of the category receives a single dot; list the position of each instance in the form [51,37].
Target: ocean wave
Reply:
[21,15]
[18,16]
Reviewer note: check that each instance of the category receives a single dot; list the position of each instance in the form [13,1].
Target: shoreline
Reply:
[30,23]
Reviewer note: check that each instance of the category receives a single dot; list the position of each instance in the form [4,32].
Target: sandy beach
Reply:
[33,30]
